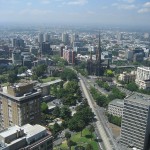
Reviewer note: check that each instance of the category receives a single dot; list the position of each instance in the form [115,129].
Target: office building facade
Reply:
[115,107]
[135,127]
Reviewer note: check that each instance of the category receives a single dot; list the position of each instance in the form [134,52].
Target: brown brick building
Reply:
[19,105]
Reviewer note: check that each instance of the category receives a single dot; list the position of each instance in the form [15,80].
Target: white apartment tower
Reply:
[40,38]
[65,37]
[135,127]
[47,37]
[143,77]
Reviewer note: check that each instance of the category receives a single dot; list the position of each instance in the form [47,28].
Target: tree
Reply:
[89,147]
[56,128]
[109,73]
[12,77]
[72,87]
[72,124]
[65,113]
[132,86]
[39,70]
[69,143]
[44,107]
[67,135]
[106,86]
[22,69]
[68,74]
[81,125]
[3,79]
[70,100]
[56,111]
[91,129]
[64,124]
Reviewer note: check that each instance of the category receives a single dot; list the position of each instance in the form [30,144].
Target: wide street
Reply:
[99,112]
[99,125]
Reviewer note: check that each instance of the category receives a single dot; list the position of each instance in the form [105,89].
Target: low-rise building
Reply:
[115,107]
[143,77]
[26,137]
[127,77]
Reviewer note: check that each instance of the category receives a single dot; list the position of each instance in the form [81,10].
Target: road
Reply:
[91,81]
[100,112]
[99,125]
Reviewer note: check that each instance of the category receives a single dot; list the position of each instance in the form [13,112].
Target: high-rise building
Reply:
[69,55]
[18,43]
[45,49]
[27,137]
[20,104]
[143,77]
[74,38]
[135,127]
[61,50]
[16,57]
[65,38]
[40,38]
[47,37]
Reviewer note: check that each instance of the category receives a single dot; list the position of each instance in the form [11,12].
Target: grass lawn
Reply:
[48,79]
[80,141]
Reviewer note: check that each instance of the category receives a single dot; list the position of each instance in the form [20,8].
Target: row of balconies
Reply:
[135,121]
[135,116]
[135,130]
[126,141]
[135,137]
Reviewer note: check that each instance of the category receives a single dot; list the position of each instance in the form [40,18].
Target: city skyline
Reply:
[111,12]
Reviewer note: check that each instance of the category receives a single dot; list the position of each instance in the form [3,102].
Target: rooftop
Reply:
[25,96]
[144,68]
[139,98]
[117,102]
[9,131]
[30,131]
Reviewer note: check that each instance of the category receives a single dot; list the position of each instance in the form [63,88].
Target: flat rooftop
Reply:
[139,98]
[30,132]
[117,102]
[9,131]
[23,97]
[144,68]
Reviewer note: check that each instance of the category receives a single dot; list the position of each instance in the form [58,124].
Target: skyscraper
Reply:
[46,37]
[74,38]
[18,43]
[135,127]
[65,38]
[40,38]
[16,57]
[45,48]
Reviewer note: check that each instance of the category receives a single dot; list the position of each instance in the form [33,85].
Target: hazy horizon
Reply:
[90,12]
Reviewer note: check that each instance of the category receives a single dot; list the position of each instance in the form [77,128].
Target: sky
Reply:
[109,12]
